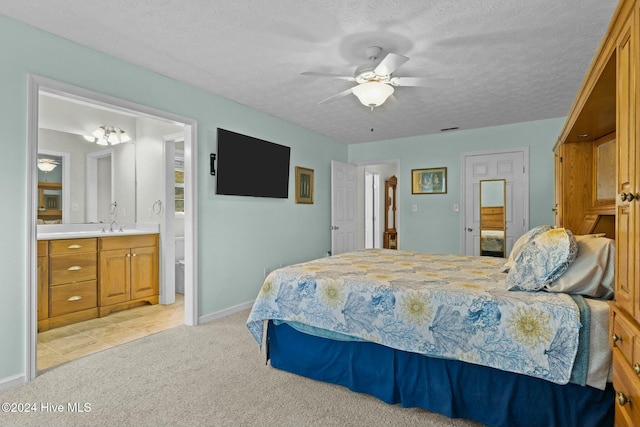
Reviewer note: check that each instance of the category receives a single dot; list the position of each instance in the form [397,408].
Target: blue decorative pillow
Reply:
[522,241]
[542,260]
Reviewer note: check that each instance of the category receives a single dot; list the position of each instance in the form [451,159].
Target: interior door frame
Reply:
[464,196]
[362,166]
[91,183]
[38,83]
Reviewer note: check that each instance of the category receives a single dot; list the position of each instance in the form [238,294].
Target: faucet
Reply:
[111,225]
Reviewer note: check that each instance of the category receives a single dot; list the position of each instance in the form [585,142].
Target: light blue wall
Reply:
[435,227]
[238,237]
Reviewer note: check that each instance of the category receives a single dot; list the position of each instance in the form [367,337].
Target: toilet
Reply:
[180,265]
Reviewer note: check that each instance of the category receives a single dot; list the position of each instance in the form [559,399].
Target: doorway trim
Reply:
[36,84]
[91,183]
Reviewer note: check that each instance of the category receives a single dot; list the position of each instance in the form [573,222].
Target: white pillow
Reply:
[522,241]
[592,272]
[542,260]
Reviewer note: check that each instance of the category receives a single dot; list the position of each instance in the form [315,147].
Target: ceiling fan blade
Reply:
[337,95]
[334,76]
[389,64]
[421,81]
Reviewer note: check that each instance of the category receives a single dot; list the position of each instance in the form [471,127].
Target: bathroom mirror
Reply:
[87,180]
[492,218]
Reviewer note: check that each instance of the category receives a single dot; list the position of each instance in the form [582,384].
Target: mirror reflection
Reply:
[492,218]
[84,177]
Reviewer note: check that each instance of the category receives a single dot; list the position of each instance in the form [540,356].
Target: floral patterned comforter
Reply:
[447,306]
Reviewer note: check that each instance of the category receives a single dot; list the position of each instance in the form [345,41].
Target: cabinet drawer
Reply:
[627,386]
[126,242]
[66,246]
[67,299]
[73,268]
[624,333]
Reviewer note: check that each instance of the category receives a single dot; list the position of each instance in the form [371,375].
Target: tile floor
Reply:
[61,345]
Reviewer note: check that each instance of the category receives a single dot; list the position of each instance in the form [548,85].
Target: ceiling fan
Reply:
[375,81]
[47,165]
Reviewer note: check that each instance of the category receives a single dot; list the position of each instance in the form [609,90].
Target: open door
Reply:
[343,207]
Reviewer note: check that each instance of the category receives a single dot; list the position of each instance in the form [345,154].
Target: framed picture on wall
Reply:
[304,185]
[429,181]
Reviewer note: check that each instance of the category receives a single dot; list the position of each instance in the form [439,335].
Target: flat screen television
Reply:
[248,166]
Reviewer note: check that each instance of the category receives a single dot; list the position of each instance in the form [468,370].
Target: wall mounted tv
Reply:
[250,166]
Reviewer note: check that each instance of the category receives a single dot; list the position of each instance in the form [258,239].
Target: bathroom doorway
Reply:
[39,86]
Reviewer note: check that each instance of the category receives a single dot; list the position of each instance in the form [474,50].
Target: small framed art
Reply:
[304,185]
[429,181]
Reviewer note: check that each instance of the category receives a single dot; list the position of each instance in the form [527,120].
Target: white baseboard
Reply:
[226,312]
[10,382]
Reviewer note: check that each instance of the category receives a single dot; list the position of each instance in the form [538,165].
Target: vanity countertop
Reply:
[72,232]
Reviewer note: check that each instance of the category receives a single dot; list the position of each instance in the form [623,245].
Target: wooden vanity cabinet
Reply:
[43,285]
[72,281]
[128,272]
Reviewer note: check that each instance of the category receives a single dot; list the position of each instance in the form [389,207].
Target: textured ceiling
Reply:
[511,60]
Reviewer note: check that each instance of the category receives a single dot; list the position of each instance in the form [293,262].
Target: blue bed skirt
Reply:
[452,388]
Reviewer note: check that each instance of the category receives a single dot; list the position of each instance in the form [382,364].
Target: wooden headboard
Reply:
[594,223]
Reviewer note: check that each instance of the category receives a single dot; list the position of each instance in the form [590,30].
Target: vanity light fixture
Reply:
[109,135]
[373,94]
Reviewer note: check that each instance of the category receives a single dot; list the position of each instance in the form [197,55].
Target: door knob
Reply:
[469,229]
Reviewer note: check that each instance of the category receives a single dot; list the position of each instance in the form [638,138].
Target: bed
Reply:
[443,333]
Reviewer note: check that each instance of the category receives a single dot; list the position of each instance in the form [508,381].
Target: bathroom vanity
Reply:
[84,275]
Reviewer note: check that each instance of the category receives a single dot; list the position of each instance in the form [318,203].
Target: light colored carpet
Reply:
[209,375]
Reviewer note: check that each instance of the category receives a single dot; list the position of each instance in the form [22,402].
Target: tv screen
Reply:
[250,166]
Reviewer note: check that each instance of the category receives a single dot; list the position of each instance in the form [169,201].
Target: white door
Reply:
[509,165]
[343,207]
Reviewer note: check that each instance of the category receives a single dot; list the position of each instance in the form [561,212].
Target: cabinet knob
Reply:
[628,197]
[74,298]
[622,399]
[636,368]
[74,268]
[615,339]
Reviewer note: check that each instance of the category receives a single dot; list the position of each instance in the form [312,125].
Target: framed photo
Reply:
[429,181]
[304,185]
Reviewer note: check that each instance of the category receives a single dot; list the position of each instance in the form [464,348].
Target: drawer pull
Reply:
[615,339]
[74,268]
[636,368]
[74,298]
[74,246]
[622,399]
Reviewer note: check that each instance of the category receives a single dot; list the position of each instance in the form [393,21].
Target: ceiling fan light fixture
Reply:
[373,94]
[46,165]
